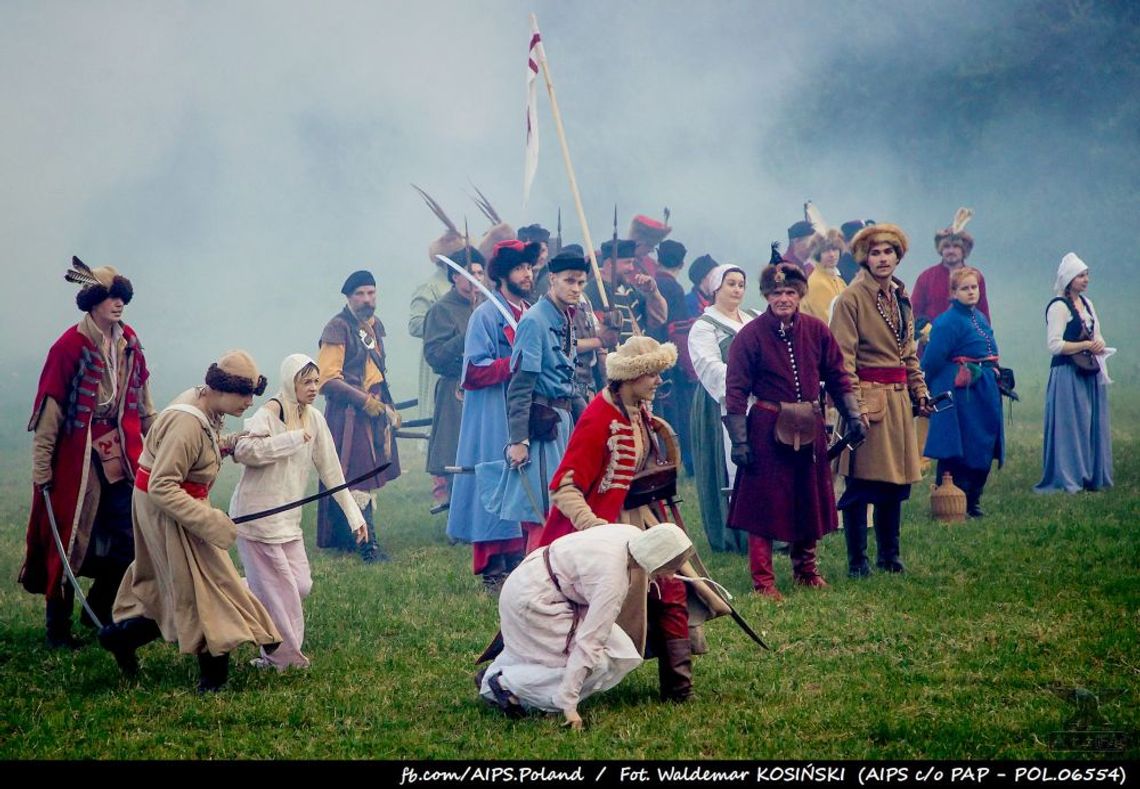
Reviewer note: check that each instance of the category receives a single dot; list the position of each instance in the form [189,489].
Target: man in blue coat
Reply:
[497,543]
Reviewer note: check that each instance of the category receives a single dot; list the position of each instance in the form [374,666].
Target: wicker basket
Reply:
[947,501]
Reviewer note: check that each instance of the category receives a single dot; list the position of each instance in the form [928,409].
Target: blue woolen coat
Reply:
[972,430]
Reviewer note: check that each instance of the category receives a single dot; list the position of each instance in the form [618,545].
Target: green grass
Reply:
[973,654]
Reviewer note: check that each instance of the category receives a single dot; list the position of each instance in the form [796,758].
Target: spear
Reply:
[569,167]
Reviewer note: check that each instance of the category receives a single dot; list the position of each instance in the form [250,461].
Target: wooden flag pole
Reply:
[570,173]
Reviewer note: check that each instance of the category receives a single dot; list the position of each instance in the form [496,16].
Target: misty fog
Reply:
[236,160]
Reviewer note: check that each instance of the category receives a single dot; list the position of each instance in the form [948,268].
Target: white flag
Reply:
[535,56]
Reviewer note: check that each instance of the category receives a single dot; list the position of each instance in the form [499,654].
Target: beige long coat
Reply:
[182,576]
[891,452]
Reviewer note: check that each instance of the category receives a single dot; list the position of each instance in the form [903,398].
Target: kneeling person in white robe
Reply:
[558,614]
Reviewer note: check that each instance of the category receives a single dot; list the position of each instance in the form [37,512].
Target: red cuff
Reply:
[481,377]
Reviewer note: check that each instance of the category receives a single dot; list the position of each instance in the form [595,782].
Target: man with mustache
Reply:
[359,411]
[91,411]
[497,543]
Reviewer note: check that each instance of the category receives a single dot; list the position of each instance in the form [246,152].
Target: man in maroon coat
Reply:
[930,296]
[783,480]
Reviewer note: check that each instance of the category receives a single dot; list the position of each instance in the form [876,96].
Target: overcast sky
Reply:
[237,159]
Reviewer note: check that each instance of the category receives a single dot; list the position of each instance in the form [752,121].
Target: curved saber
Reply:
[301,502]
[510,319]
[67,564]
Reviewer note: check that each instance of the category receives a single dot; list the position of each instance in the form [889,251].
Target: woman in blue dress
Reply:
[1078,446]
[962,357]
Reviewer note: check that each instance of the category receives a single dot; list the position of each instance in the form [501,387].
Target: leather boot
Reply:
[370,550]
[855,534]
[123,639]
[213,671]
[803,565]
[57,619]
[888,518]
[760,562]
[675,670]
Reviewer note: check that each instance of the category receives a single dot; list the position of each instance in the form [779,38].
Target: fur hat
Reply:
[875,234]
[567,260]
[99,284]
[497,233]
[657,546]
[700,268]
[447,244]
[357,279]
[638,356]
[650,232]
[832,239]
[956,232]
[625,249]
[783,275]
[235,372]
[534,233]
[509,254]
[671,254]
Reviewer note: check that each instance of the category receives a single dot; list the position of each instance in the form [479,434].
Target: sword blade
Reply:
[66,564]
[309,499]
[510,319]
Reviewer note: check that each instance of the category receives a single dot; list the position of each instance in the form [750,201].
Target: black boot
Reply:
[370,550]
[855,533]
[675,670]
[57,619]
[213,671]
[888,518]
[122,639]
[977,481]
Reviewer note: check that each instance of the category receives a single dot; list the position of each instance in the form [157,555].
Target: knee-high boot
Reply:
[855,533]
[675,670]
[888,518]
[760,563]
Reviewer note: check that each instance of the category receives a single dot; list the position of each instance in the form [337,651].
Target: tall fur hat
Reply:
[957,232]
[99,284]
[649,232]
[878,233]
[638,356]
[447,244]
[510,253]
[236,372]
[783,275]
[497,233]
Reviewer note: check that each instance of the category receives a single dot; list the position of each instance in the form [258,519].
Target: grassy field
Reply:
[978,652]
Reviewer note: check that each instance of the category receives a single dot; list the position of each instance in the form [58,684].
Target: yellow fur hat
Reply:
[876,234]
[640,356]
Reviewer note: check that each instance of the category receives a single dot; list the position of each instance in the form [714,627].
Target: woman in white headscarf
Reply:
[286,438]
[709,339]
[1078,444]
[558,613]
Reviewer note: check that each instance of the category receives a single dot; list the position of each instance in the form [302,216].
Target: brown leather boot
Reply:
[675,670]
[804,567]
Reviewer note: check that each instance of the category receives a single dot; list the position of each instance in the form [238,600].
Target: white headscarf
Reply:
[294,412]
[1071,267]
[658,545]
[715,278]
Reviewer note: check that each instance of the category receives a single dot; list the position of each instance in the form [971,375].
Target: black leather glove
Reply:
[855,428]
[737,426]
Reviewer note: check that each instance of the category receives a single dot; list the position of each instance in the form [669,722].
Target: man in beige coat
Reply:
[183,586]
[874,325]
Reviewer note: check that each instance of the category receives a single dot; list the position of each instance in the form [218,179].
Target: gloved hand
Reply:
[737,426]
[373,406]
[856,423]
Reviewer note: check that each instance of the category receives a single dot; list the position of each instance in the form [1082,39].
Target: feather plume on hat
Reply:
[957,232]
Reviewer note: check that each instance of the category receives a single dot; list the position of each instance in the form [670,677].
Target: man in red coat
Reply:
[930,296]
[91,410]
[783,482]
